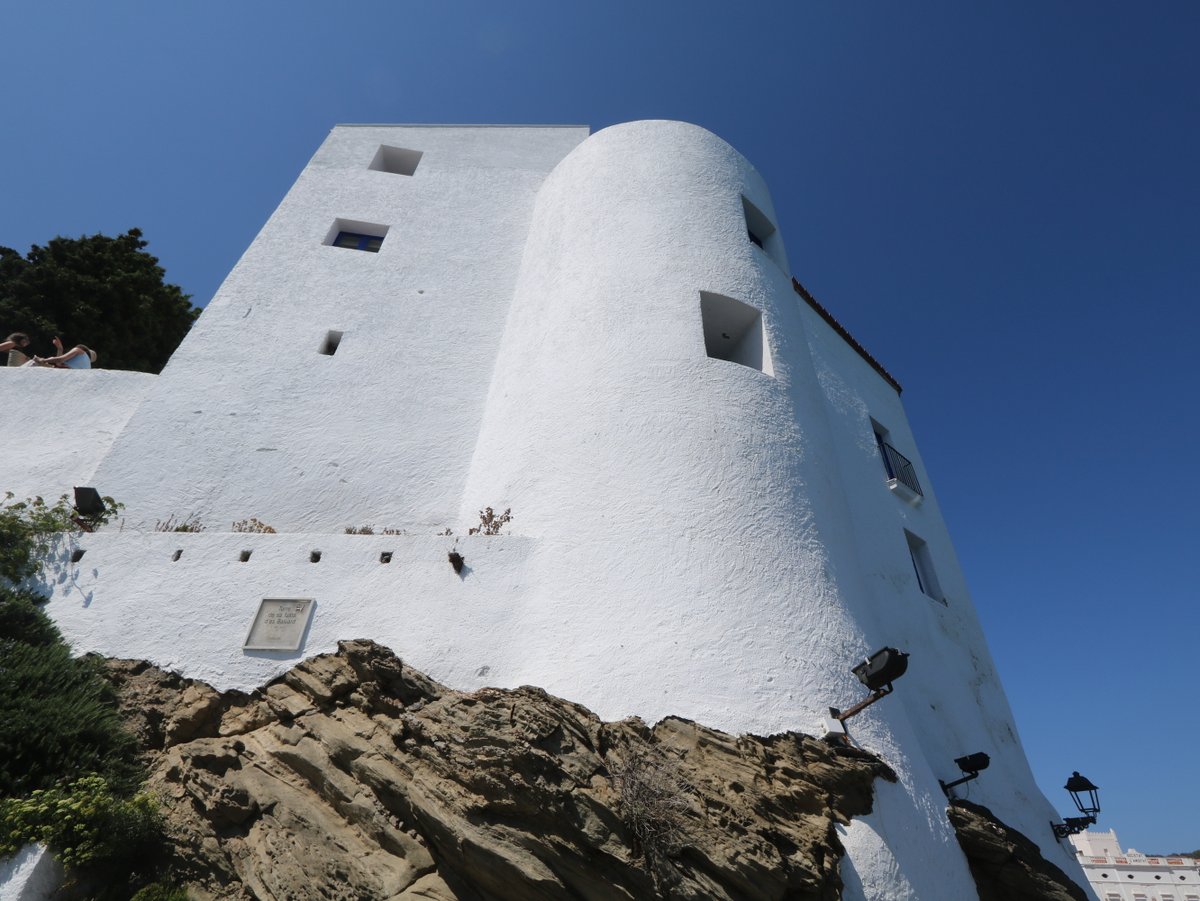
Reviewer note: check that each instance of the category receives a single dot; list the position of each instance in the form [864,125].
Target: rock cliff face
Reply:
[355,777]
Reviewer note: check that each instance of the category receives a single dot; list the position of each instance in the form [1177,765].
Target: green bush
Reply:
[158,891]
[22,620]
[28,528]
[58,716]
[84,823]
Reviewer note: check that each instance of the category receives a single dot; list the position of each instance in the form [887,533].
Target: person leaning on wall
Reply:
[14,345]
[78,357]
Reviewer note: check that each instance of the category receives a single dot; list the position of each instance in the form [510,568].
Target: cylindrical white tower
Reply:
[656,423]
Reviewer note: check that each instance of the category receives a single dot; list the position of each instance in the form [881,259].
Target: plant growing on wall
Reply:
[175,523]
[250,525]
[29,528]
[490,522]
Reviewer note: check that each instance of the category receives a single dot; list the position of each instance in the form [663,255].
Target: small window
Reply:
[175,556]
[922,562]
[354,234]
[355,241]
[314,557]
[77,555]
[385,557]
[245,556]
[734,331]
[330,343]
[762,232]
[396,160]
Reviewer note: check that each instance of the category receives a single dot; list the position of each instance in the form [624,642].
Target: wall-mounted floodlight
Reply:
[90,507]
[1086,798]
[877,672]
[971,765]
[88,502]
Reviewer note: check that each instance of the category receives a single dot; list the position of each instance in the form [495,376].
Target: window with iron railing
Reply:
[900,467]
[902,477]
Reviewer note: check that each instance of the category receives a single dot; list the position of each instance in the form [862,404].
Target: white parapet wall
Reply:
[602,334]
[61,424]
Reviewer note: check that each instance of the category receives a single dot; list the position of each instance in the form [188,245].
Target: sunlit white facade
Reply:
[718,505]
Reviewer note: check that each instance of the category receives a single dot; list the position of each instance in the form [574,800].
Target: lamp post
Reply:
[1086,798]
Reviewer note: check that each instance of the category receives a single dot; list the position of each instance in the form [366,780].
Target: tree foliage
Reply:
[106,293]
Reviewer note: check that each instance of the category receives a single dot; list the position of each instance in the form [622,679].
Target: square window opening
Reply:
[244,556]
[396,160]
[735,332]
[314,557]
[385,557]
[762,233]
[355,234]
[175,556]
[77,555]
[330,343]
[922,562]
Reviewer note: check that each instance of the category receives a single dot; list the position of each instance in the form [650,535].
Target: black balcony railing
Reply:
[900,468]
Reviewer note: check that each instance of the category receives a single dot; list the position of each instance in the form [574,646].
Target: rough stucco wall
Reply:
[64,422]
[249,419]
[730,536]
[128,597]
[951,692]
[691,536]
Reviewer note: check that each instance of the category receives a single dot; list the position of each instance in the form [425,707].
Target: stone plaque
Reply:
[279,625]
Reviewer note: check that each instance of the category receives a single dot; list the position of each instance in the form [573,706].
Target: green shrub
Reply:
[159,891]
[22,620]
[28,528]
[84,823]
[58,715]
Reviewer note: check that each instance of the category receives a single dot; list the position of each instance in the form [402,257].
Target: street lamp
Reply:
[1085,796]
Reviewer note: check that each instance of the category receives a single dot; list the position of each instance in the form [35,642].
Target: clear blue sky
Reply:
[1001,200]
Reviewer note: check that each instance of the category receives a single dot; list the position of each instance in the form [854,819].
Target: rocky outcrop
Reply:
[355,777]
[1006,865]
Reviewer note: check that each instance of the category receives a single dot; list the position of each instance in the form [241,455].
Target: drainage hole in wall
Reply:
[244,556]
[77,555]
[330,345]
[385,557]
[314,557]
[175,556]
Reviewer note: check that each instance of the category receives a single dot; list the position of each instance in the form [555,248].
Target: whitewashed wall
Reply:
[691,536]
[61,423]
[249,419]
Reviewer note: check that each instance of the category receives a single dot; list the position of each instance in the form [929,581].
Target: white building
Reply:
[1117,875]
[602,333]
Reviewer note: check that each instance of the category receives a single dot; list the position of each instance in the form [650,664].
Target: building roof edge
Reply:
[846,336]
